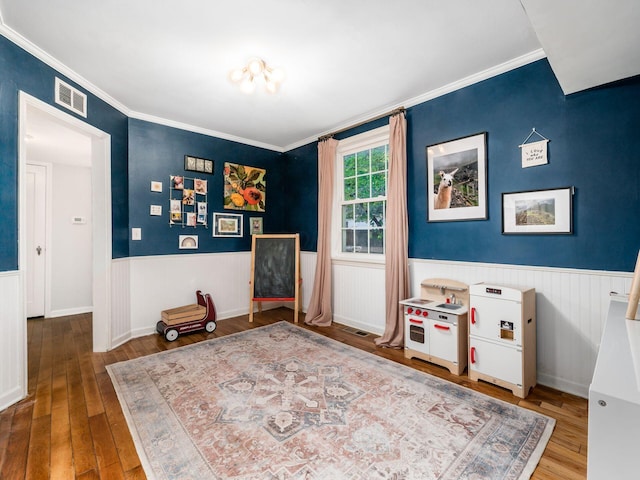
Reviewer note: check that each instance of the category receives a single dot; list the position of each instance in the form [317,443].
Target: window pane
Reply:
[376,212]
[363,162]
[362,215]
[362,241]
[364,188]
[376,240]
[347,216]
[349,165]
[350,189]
[378,158]
[347,240]
[378,184]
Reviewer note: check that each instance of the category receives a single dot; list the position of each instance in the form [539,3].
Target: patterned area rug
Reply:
[282,402]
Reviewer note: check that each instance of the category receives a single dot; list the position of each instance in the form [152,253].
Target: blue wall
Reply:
[21,71]
[156,152]
[594,147]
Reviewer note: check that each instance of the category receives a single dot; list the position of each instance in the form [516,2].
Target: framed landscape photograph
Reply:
[538,212]
[227,224]
[457,179]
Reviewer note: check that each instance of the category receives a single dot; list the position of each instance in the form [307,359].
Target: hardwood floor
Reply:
[71,425]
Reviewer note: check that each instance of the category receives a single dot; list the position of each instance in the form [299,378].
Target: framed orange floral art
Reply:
[244,187]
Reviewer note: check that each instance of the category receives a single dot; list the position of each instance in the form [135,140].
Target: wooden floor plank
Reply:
[73,413]
[39,448]
[15,463]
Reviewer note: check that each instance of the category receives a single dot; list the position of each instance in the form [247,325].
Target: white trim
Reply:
[69,311]
[205,131]
[438,92]
[355,143]
[40,54]
[520,267]
[101,207]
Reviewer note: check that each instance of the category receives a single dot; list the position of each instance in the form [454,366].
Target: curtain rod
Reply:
[388,114]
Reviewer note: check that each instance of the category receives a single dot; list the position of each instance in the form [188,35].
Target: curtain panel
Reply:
[397,231]
[319,312]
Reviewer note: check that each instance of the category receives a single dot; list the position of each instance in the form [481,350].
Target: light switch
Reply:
[136,234]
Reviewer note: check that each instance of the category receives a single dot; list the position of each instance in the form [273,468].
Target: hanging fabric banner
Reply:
[534,153]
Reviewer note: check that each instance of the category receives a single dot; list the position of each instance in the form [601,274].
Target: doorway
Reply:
[32,109]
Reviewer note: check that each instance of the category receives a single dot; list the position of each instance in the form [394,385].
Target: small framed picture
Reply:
[255,226]
[156,186]
[195,164]
[188,242]
[155,210]
[227,224]
[538,212]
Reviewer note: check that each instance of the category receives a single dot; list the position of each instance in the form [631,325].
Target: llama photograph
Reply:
[456,179]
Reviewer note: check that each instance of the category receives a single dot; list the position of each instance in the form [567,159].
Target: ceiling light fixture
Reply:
[257,71]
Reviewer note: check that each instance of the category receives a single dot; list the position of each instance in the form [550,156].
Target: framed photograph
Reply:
[156,186]
[457,179]
[538,212]
[188,242]
[256,226]
[227,224]
[195,164]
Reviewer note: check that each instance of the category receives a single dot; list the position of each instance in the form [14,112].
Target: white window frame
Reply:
[370,139]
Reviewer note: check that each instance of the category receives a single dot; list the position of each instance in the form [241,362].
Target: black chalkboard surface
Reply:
[275,270]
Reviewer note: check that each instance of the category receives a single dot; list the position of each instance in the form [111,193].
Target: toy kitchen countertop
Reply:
[435,305]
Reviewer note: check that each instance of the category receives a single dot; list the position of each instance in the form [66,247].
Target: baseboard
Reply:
[69,311]
[563,385]
[10,397]
[350,322]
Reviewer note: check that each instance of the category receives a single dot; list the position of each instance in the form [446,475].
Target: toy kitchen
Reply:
[435,324]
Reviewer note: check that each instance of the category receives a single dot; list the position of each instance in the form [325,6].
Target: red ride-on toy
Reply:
[188,318]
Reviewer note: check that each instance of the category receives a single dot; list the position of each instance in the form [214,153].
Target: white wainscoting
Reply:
[144,286]
[571,308]
[120,330]
[359,295]
[13,341]
[571,304]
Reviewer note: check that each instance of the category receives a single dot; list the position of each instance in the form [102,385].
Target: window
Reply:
[361,196]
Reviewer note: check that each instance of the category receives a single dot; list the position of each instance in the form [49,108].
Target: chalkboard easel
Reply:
[275,270]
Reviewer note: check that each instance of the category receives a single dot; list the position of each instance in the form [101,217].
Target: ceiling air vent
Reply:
[69,97]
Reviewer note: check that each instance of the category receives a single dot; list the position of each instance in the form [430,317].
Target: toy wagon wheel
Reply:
[210,326]
[171,334]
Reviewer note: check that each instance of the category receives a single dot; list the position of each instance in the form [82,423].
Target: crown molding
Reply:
[438,92]
[45,57]
[211,133]
[61,68]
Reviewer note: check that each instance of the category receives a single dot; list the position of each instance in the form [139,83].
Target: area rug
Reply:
[282,402]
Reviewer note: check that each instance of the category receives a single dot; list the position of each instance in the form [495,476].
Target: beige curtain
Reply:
[397,250]
[319,312]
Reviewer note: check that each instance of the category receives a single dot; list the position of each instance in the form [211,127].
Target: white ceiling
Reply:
[345,60]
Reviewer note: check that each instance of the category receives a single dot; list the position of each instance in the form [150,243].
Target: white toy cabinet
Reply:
[502,336]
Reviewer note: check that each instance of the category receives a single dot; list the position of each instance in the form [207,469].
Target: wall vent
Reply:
[69,97]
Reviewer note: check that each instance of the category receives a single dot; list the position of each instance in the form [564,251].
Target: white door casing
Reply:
[101,208]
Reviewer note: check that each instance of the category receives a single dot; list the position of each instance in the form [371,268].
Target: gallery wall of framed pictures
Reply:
[244,188]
